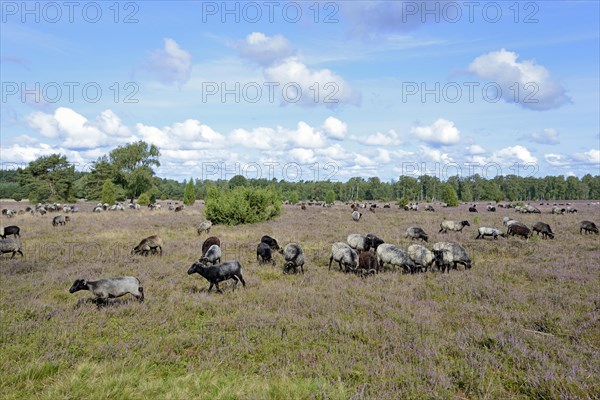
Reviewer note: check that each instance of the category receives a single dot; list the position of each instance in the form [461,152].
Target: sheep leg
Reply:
[242,280]
[330,260]
[211,286]
[218,288]
[235,282]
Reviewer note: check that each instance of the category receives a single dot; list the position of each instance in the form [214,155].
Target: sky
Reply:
[306,90]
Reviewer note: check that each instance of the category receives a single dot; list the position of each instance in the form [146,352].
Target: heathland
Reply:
[522,323]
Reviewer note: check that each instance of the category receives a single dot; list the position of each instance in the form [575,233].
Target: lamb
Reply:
[544,229]
[209,242]
[484,231]
[456,226]
[11,230]
[151,244]
[421,256]
[345,255]
[450,254]
[218,273]
[588,227]
[393,255]
[356,216]
[11,246]
[358,242]
[519,229]
[367,263]
[104,289]
[271,242]
[415,232]
[212,255]
[374,241]
[294,258]
[264,253]
[204,227]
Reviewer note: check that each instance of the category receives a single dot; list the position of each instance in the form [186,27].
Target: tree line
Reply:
[127,173]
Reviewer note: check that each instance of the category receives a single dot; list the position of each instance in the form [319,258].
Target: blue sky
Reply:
[371,88]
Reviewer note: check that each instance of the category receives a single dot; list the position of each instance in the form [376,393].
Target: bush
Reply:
[450,197]
[144,199]
[109,195]
[241,205]
[189,193]
[330,197]
[403,202]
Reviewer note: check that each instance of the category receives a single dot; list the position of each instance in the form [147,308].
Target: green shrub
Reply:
[403,202]
[450,197]
[241,205]
[109,195]
[330,197]
[189,194]
[144,199]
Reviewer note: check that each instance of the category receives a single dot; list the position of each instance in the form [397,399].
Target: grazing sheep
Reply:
[588,227]
[356,216]
[97,209]
[450,255]
[372,208]
[529,209]
[387,205]
[264,253]
[151,244]
[415,232]
[519,229]
[303,207]
[60,220]
[484,231]
[395,256]
[557,210]
[11,230]
[544,229]
[456,226]
[104,289]
[506,220]
[294,259]
[367,263]
[374,241]
[11,246]
[571,210]
[429,208]
[209,242]
[42,211]
[345,255]
[271,242]
[421,256]
[212,255]
[218,273]
[204,227]
[179,208]
[358,242]
[473,208]
[491,208]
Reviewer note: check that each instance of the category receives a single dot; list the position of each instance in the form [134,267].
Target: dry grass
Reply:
[522,323]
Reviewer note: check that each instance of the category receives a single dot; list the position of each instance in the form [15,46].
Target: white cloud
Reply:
[189,134]
[546,136]
[171,64]
[513,154]
[435,155]
[537,90]
[391,138]
[441,132]
[589,157]
[303,156]
[475,149]
[334,128]
[264,49]
[78,132]
[556,160]
[307,87]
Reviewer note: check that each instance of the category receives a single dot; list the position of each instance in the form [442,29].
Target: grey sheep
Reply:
[104,289]
[358,242]
[12,245]
[204,227]
[415,232]
[588,227]
[151,244]
[421,256]
[294,258]
[505,220]
[456,226]
[450,255]
[395,256]
[356,216]
[212,255]
[264,253]
[484,231]
[60,220]
[209,242]
[544,229]
[346,257]
[218,273]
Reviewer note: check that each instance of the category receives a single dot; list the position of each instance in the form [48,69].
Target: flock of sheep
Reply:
[360,254]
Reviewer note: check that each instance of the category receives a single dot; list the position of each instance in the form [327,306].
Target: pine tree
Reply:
[450,196]
[189,193]
[109,195]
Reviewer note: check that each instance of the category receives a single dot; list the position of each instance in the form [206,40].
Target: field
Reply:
[522,323]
